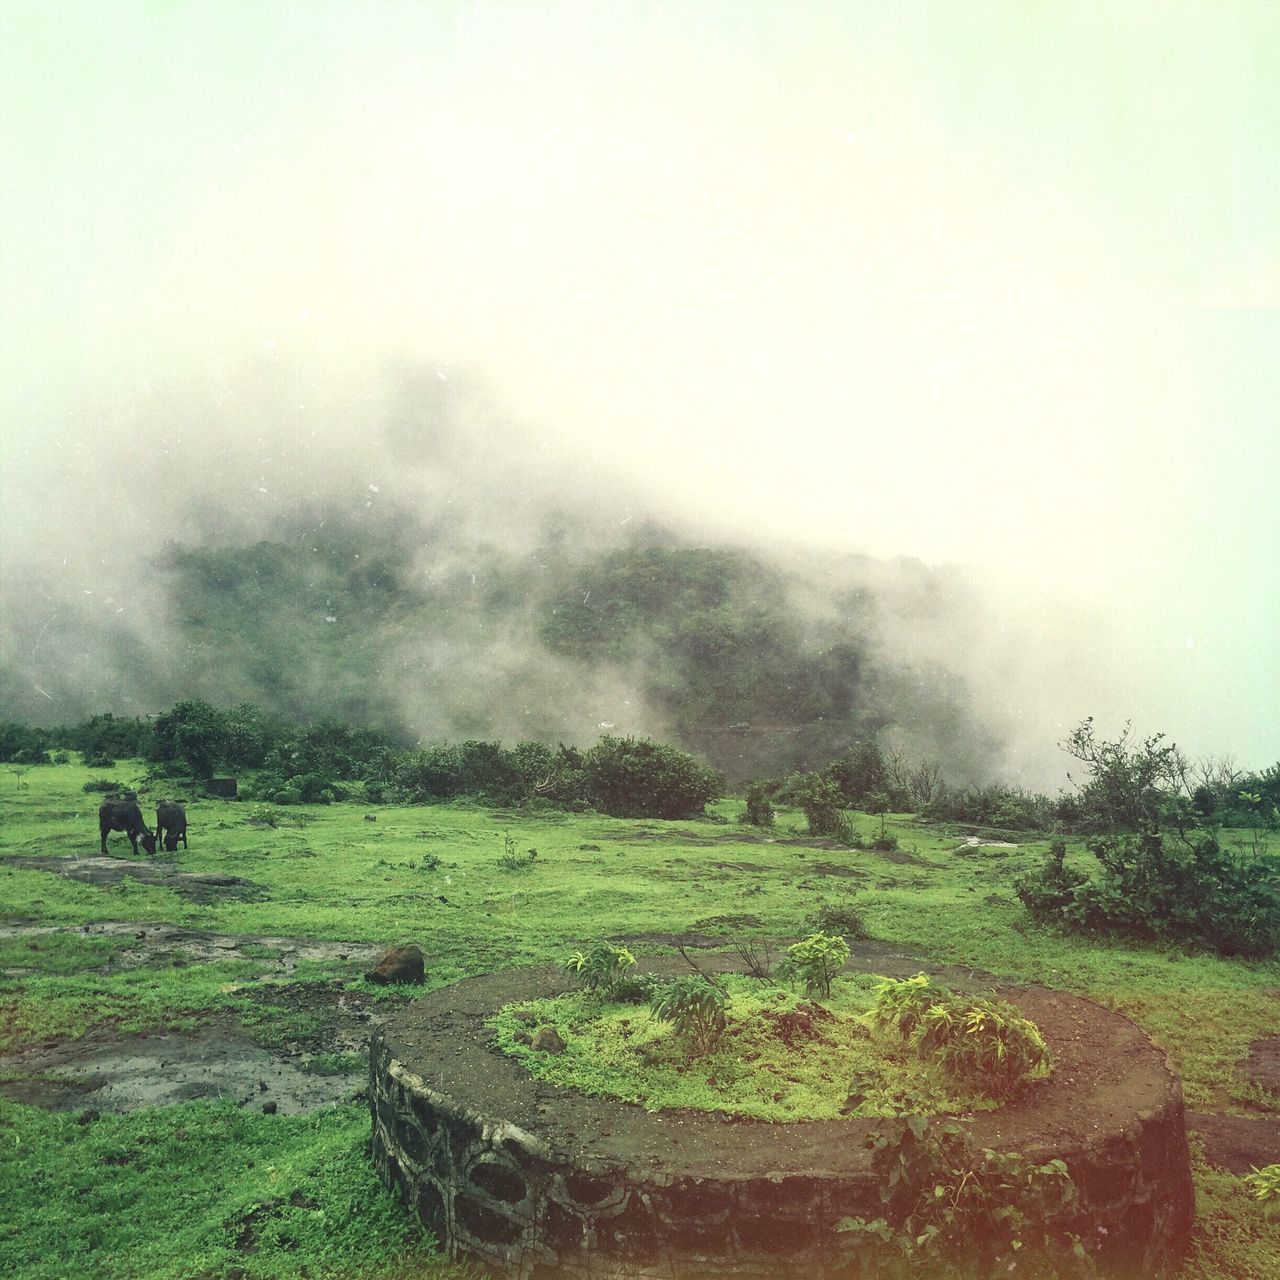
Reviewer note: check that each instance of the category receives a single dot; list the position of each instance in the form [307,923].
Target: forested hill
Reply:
[383,620]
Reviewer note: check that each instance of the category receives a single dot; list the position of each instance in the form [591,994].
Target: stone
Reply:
[398,964]
[549,1040]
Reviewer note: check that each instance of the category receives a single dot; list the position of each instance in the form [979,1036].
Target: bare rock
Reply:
[548,1040]
[399,964]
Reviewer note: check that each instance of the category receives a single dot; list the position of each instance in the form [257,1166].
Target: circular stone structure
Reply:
[536,1182]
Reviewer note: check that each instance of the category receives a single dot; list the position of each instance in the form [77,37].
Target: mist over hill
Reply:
[449,577]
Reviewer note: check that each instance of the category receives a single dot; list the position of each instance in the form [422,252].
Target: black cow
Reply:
[171,825]
[124,815]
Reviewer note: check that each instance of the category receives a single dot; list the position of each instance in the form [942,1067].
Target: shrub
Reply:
[696,1009]
[640,778]
[288,795]
[103,784]
[18,739]
[192,732]
[759,811]
[1154,886]
[857,774]
[844,920]
[815,962]
[99,761]
[601,967]
[820,799]
[985,1043]
[264,815]
[512,860]
[1264,1187]
[954,1210]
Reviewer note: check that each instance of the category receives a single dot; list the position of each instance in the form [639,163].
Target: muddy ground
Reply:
[285,1046]
[290,1046]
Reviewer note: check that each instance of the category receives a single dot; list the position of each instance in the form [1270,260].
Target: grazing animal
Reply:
[124,815]
[171,824]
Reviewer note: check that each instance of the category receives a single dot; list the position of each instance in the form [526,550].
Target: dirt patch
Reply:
[1262,1066]
[107,872]
[836,869]
[294,1047]
[1238,1143]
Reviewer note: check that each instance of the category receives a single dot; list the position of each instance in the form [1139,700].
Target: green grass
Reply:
[327,873]
[618,1050]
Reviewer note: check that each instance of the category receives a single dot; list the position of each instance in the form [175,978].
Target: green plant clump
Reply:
[601,968]
[696,1009]
[951,1210]
[984,1042]
[815,962]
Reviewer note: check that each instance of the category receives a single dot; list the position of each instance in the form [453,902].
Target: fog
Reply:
[973,310]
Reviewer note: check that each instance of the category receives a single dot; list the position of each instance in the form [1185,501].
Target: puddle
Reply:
[107,1070]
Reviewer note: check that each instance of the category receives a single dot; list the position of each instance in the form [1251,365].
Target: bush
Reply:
[640,778]
[600,968]
[759,811]
[986,1043]
[819,797]
[17,738]
[287,795]
[103,784]
[857,774]
[99,762]
[951,1210]
[843,920]
[696,1008]
[193,733]
[1154,886]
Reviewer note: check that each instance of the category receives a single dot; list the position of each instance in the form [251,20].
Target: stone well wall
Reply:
[534,1182]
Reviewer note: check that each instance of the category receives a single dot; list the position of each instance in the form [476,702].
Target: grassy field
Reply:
[205,1189]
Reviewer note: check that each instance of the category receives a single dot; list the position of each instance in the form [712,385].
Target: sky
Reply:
[993,284]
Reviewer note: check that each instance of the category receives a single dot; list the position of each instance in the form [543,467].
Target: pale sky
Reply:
[991,283]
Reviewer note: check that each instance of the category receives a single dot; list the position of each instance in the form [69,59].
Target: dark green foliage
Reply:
[22,740]
[1156,877]
[99,761]
[858,774]
[759,811]
[819,797]
[109,735]
[1132,786]
[640,778]
[1159,886]
[696,1009]
[103,784]
[192,733]
[1002,808]
[842,919]
[953,1211]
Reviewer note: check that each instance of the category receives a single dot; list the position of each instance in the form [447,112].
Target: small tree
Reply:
[816,961]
